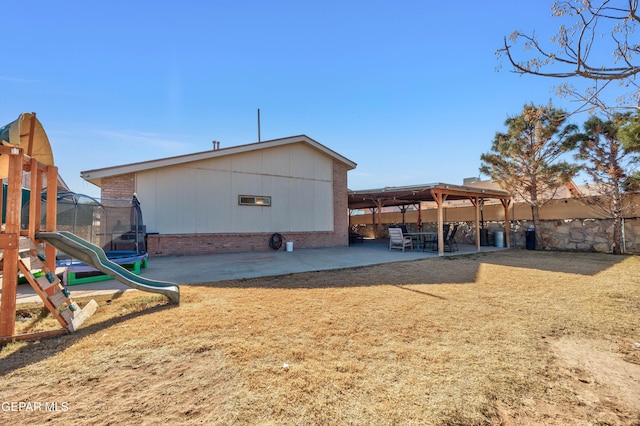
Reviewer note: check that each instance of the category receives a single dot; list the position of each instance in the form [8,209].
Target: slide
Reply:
[95,257]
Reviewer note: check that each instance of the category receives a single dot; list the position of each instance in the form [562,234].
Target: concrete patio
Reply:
[185,270]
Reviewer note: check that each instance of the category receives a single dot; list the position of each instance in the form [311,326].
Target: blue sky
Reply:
[407,89]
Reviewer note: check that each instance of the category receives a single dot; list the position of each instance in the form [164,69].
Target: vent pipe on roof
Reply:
[259,125]
[216,145]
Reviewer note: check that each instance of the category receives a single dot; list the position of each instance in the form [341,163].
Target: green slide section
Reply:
[95,257]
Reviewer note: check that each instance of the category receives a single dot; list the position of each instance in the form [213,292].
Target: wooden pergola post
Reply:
[506,203]
[379,214]
[439,198]
[476,203]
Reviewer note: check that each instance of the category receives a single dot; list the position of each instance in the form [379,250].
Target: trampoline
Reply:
[114,225]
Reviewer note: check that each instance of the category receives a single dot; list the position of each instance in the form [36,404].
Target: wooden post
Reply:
[32,134]
[506,203]
[11,245]
[1,201]
[439,198]
[38,200]
[34,200]
[52,203]
[476,203]
[379,219]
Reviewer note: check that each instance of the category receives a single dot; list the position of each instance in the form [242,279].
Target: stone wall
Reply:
[564,234]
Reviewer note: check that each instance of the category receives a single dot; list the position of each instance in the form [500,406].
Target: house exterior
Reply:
[233,199]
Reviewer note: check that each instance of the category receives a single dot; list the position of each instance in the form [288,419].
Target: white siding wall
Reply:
[202,197]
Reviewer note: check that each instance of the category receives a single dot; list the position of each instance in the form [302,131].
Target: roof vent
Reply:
[216,145]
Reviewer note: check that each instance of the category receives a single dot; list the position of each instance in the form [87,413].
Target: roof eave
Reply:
[94,176]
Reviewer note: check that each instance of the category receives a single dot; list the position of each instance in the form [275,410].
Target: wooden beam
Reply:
[32,133]
[34,200]
[41,176]
[10,261]
[506,203]
[476,204]
[439,198]
[52,204]
[34,336]
[379,219]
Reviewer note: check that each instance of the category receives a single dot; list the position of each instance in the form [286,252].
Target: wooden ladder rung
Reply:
[44,283]
[36,263]
[58,299]
[68,315]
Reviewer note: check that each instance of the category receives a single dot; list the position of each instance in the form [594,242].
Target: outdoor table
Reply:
[421,237]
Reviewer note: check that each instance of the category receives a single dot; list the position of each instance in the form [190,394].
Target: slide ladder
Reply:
[48,286]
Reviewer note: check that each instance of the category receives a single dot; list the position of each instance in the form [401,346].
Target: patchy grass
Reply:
[496,338]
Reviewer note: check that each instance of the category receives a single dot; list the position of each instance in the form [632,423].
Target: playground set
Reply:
[115,225]
[29,247]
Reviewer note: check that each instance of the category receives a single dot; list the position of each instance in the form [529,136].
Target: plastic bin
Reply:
[498,238]
[484,237]
[531,239]
[289,245]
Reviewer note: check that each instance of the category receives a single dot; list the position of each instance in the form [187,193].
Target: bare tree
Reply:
[612,167]
[596,45]
[526,159]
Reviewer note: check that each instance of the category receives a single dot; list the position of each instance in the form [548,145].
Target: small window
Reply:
[254,200]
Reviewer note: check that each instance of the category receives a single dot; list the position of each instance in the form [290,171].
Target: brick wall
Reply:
[340,206]
[119,187]
[195,244]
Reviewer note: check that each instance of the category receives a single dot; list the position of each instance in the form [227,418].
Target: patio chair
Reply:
[434,240]
[399,241]
[450,239]
[355,238]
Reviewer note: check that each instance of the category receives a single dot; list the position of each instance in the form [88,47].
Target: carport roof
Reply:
[403,195]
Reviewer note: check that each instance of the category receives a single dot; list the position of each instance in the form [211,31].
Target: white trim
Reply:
[95,176]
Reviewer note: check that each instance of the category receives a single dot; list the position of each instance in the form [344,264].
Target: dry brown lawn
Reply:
[511,337]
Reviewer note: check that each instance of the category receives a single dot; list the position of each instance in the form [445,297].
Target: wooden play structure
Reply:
[26,160]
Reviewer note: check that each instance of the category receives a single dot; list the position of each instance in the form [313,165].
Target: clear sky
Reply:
[406,89]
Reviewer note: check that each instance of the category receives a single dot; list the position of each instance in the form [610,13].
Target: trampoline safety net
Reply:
[114,225]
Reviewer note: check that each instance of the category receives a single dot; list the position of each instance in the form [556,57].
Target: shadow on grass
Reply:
[396,274]
[421,292]
[581,263]
[456,269]
[38,350]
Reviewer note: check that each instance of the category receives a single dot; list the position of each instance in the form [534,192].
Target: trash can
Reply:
[289,245]
[498,237]
[530,236]
[484,237]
